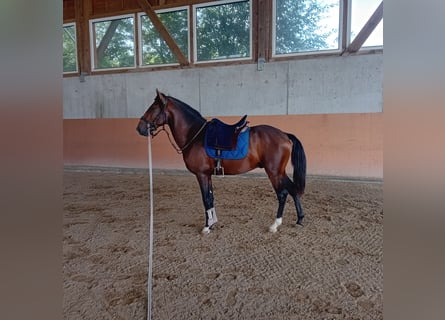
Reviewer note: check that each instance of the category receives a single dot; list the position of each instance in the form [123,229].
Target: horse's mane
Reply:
[188,111]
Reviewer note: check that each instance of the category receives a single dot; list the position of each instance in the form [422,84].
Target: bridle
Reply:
[152,127]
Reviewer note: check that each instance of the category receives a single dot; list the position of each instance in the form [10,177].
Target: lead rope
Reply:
[150,248]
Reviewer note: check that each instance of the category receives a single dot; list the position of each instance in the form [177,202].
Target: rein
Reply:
[192,139]
[180,150]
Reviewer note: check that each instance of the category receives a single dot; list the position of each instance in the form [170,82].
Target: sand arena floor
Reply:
[332,268]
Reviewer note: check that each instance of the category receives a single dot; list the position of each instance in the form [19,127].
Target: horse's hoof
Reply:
[205,230]
[274,227]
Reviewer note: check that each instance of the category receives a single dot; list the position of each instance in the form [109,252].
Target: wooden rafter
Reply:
[157,23]
[264,28]
[366,31]
[82,13]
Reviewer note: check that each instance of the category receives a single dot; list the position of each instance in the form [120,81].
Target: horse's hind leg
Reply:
[282,193]
[296,197]
[300,213]
[282,189]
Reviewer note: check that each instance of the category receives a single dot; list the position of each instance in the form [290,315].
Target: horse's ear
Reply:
[161,97]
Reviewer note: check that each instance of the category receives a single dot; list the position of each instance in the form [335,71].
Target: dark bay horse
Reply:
[269,148]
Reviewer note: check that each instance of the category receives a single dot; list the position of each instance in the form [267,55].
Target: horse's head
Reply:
[154,117]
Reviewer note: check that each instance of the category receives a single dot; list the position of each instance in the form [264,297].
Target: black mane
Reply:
[188,110]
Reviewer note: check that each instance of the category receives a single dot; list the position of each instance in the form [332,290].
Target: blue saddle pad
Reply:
[242,146]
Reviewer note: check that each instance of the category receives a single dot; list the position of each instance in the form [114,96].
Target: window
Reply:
[306,26]
[153,49]
[223,31]
[69,48]
[112,42]
[361,11]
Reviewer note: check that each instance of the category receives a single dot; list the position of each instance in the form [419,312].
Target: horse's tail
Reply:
[298,158]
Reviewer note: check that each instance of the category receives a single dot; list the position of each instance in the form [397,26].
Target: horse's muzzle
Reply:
[143,128]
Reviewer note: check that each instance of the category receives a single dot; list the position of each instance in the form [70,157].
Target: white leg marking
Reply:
[273,228]
[211,217]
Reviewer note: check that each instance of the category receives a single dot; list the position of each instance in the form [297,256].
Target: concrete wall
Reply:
[350,84]
[334,105]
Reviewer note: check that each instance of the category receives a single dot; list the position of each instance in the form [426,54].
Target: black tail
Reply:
[298,159]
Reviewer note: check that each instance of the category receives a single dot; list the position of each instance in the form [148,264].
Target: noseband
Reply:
[152,126]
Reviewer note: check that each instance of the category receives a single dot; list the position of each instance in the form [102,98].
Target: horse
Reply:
[268,148]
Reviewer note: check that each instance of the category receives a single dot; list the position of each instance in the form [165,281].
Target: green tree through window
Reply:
[306,25]
[223,31]
[154,49]
[69,49]
[114,45]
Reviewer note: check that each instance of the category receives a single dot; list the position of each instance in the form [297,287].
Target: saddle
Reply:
[222,136]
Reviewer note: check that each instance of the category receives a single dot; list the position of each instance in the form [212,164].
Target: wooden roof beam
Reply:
[146,6]
[82,14]
[263,9]
[366,31]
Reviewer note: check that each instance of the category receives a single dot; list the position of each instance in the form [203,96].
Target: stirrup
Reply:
[218,170]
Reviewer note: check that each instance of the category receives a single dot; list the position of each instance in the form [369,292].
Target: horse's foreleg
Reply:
[205,184]
[281,196]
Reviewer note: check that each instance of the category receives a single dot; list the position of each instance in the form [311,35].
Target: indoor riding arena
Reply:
[143,82]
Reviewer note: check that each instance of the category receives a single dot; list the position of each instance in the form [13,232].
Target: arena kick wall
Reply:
[334,105]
